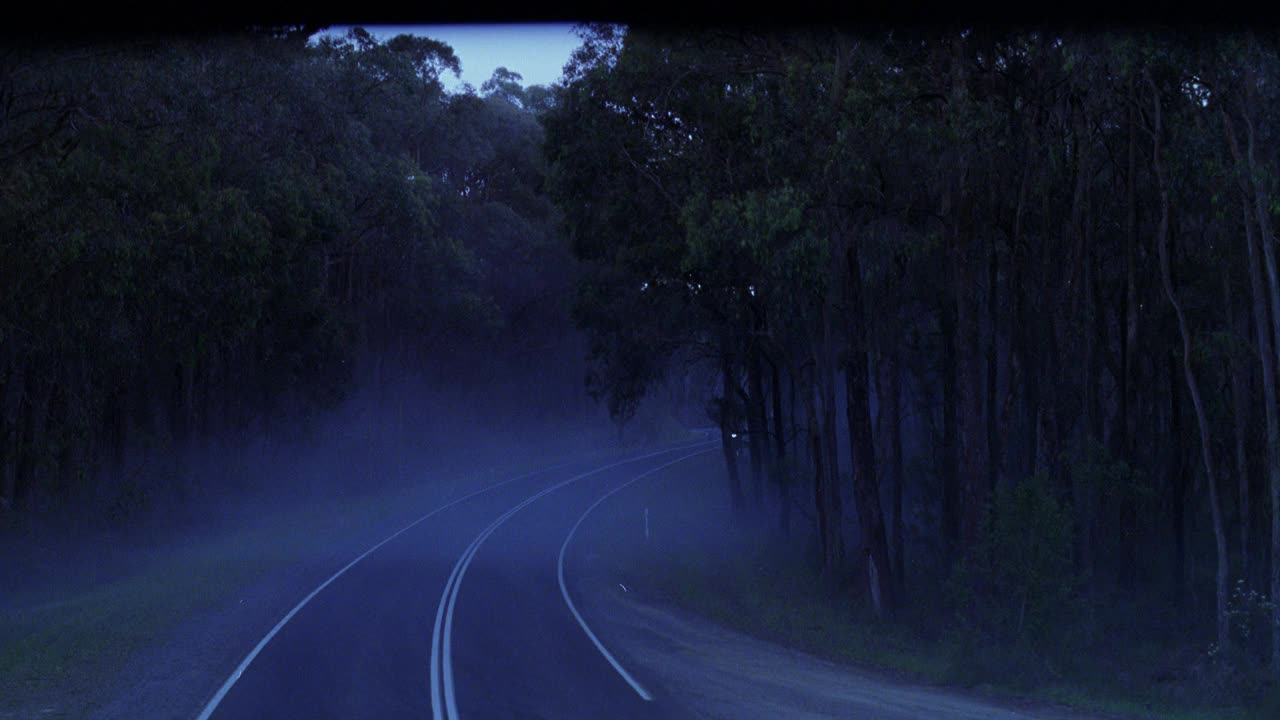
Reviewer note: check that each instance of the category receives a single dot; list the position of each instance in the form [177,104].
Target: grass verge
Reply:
[739,573]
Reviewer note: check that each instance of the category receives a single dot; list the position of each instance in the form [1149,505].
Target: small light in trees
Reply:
[1196,91]
[752,289]
[644,286]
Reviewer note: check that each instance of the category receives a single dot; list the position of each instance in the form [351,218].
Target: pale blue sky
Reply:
[538,52]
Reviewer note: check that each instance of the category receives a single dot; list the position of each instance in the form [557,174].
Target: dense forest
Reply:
[995,313]
[210,241]
[1021,284]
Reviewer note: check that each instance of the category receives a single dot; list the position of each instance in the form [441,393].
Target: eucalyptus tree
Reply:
[206,235]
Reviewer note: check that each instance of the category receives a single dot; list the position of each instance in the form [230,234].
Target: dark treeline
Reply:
[1007,302]
[996,314]
[210,237]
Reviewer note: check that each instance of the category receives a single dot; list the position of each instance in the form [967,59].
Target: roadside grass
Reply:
[65,647]
[743,575]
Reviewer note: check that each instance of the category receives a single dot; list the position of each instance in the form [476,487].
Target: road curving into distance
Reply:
[473,611]
[459,614]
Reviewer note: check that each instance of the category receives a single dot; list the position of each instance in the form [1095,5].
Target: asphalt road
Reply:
[459,615]
[474,612]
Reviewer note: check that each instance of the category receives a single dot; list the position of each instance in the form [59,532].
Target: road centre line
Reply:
[443,698]
[244,664]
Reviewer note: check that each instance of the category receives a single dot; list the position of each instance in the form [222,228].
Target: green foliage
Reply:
[1095,470]
[1249,613]
[1016,585]
[231,226]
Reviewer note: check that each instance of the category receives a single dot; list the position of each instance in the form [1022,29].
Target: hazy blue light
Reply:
[538,52]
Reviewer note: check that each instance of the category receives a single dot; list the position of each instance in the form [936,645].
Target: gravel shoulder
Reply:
[720,673]
[716,671]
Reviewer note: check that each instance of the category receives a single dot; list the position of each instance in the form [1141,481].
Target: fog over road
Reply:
[474,612]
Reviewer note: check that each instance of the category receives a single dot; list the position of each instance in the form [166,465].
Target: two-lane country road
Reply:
[473,612]
[459,615]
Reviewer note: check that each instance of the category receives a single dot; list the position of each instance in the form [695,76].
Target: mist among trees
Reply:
[1005,301]
[224,239]
[994,314]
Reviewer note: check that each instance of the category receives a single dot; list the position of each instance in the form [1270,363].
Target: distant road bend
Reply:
[468,612]
[393,634]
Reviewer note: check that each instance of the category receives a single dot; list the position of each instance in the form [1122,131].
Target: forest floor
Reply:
[701,570]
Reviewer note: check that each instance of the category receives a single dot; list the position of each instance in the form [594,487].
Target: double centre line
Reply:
[444,704]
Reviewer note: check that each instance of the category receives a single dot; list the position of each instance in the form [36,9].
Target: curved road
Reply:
[471,612]
[460,614]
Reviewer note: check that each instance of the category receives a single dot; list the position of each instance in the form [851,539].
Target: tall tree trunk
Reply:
[957,211]
[866,484]
[1263,295]
[778,469]
[819,483]
[758,430]
[970,438]
[1128,560]
[831,498]
[1018,355]
[38,449]
[189,429]
[950,456]
[1177,472]
[994,450]
[892,399]
[1238,373]
[1206,445]
[728,428]
[791,410]
[11,433]
[1266,239]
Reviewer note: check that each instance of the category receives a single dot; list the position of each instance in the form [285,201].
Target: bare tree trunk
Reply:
[1267,352]
[728,428]
[758,430]
[1128,345]
[1240,413]
[1177,472]
[38,450]
[892,399]
[1266,240]
[780,452]
[950,456]
[819,484]
[11,434]
[830,479]
[994,449]
[866,484]
[970,438]
[1206,445]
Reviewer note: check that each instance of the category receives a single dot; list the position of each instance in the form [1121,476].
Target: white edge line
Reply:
[564,591]
[441,651]
[244,664]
